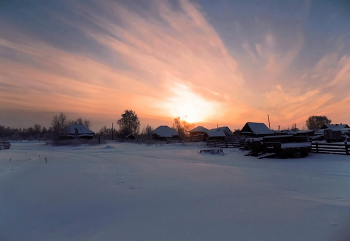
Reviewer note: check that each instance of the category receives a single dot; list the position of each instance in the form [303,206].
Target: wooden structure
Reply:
[282,145]
[254,129]
[165,133]
[330,148]
[223,144]
[5,145]
[76,132]
[198,134]
[335,126]
[130,137]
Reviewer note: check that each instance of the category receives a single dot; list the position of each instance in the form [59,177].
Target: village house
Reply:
[198,134]
[76,132]
[165,133]
[335,126]
[254,129]
[201,133]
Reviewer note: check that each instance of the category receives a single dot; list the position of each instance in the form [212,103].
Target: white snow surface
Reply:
[295,144]
[124,191]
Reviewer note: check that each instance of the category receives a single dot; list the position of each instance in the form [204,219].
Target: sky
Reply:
[210,62]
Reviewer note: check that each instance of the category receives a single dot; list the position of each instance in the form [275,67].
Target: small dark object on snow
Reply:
[45,160]
[212,151]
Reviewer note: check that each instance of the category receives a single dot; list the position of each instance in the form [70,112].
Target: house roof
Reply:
[77,130]
[225,129]
[164,131]
[199,129]
[334,126]
[256,128]
[215,133]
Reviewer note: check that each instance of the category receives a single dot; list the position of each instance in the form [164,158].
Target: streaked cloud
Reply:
[170,59]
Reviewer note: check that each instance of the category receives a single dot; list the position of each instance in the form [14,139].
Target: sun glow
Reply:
[189,106]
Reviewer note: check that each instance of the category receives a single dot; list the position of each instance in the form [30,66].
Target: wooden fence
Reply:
[332,148]
[222,144]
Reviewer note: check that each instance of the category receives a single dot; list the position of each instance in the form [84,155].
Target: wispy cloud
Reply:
[168,60]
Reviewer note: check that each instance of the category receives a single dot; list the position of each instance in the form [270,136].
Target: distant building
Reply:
[228,133]
[130,137]
[216,134]
[165,133]
[334,126]
[201,133]
[198,134]
[256,129]
[76,132]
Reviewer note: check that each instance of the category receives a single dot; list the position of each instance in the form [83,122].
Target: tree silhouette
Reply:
[316,122]
[182,127]
[58,123]
[129,123]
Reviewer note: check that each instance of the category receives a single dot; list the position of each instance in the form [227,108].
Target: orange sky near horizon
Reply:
[165,62]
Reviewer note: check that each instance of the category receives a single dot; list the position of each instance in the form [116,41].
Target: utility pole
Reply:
[112,130]
[268,118]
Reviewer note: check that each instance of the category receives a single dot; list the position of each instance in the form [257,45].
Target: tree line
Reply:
[128,124]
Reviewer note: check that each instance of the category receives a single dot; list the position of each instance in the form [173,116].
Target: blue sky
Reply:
[209,62]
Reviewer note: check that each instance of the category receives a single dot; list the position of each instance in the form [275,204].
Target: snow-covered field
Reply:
[123,191]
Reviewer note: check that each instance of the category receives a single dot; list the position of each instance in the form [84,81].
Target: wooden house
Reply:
[216,135]
[76,132]
[335,126]
[165,133]
[228,133]
[198,134]
[254,129]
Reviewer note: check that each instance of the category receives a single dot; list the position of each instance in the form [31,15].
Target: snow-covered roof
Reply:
[279,136]
[77,130]
[199,129]
[215,133]
[164,131]
[225,129]
[305,131]
[256,128]
[334,126]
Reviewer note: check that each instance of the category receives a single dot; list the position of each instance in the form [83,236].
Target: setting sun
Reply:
[188,105]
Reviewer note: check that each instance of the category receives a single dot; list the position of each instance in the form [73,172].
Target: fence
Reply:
[333,148]
[223,144]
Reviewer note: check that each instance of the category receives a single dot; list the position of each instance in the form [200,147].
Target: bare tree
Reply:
[87,123]
[147,132]
[58,124]
[182,127]
[80,121]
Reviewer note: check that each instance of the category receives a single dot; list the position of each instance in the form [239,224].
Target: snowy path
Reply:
[137,192]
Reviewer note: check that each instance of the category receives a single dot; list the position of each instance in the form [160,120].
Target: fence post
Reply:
[346,148]
[316,147]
